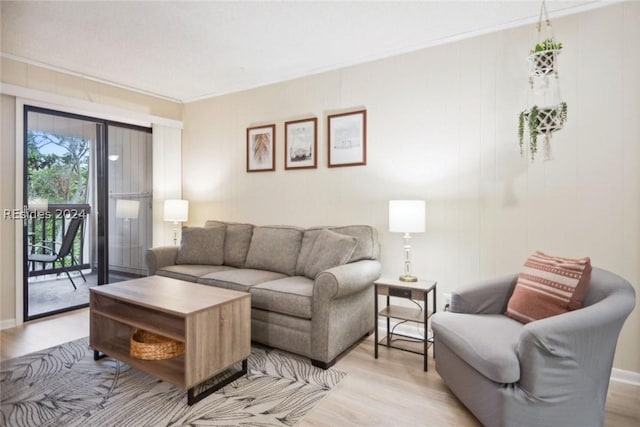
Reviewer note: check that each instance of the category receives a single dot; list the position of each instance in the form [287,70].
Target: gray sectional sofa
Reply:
[311,289]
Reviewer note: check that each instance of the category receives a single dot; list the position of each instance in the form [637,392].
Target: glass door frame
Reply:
[101,210]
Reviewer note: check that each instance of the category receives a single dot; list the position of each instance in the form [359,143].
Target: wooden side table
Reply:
[416,291]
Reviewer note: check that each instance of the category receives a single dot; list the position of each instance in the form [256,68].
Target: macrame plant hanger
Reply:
[543,62]
[550,118]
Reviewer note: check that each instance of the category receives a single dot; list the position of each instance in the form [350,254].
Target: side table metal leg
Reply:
[375,322]
[426,330]
[433,340]
[388,324]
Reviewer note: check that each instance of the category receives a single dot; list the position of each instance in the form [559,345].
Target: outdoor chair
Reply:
[65,250]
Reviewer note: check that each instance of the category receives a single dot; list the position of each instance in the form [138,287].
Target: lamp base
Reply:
[408,278]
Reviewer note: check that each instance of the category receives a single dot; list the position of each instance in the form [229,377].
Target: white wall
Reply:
[167,179]
[442,126]
[7,199]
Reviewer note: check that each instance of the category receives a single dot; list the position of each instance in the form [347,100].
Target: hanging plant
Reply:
[543,120]
[547,44]
[540,121]
[542,57]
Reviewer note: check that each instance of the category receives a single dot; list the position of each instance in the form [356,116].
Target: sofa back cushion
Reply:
[202,245]
[236,243]
[275,248]
[367,244]
[329,250]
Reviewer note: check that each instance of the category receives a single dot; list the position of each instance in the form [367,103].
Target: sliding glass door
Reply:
[130,201]
[87,223]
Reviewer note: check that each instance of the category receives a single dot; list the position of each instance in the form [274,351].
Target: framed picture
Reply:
[261,148]
[347,136]
[300,144]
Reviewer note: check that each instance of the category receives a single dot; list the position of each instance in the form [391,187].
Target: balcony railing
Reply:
[48,228]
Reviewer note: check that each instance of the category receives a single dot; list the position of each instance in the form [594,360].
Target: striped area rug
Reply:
[64,386]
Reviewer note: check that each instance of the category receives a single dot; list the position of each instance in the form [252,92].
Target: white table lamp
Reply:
[176,211]
[407,216]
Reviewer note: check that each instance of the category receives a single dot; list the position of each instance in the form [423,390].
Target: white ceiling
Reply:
[186,51]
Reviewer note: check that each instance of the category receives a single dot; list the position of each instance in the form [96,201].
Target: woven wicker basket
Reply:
[149,346]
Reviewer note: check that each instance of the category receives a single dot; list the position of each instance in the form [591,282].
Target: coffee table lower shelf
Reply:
[192,397]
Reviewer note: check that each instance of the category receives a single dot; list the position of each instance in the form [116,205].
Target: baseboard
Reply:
[617,375]
[627,377]
[9,323]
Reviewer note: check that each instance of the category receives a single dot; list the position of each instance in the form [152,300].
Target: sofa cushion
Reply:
[548,286]
[290,295]
[236,242]
[214,223]
[329,250]
[202,245]
[367,246]
[308,239]
[486,342]
[190,273]
[239,279]
[275,248]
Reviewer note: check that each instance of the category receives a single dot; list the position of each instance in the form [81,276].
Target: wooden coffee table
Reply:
[213,323]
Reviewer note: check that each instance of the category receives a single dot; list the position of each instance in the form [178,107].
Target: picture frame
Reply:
[301,144]
[347,139]
[261,148]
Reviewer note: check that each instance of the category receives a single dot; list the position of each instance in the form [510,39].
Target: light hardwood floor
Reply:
[390,391]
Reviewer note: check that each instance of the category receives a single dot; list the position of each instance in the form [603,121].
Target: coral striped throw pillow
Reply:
[548,286]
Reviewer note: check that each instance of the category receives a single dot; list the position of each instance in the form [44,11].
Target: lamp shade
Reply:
[127,209]
[406,216]
[176,210]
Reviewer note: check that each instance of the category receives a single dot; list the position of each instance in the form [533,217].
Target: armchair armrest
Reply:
[573,352]
[347,279]
[159,257]
[484,297]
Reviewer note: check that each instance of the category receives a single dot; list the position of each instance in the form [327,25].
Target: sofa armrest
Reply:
[347,279]
[485,297]
[572,351]
[159,257]
[342,308]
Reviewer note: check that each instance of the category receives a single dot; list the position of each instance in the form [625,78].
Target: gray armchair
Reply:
[551,372]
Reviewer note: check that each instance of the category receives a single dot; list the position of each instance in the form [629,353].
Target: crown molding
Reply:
[86,76]
[78,106]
